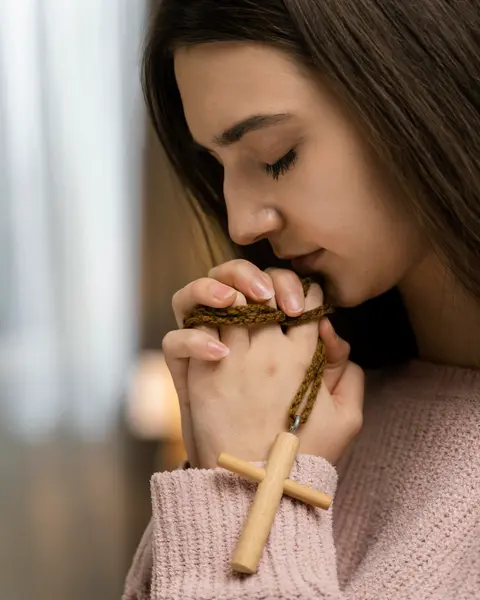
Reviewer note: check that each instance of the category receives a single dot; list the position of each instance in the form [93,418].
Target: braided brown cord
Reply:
[253,314]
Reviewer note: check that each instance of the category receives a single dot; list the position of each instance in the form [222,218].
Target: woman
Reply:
[343,136]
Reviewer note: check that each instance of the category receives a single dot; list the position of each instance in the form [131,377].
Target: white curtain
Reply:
[71,133]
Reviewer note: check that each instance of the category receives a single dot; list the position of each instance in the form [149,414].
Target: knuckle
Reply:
[343,354]
[286,282]
[181,342]
[268,276]
[177,298]
[168,342]
[241,262]
[214,271]
[317,292]
[240,299]
[355,422]
[359,372]
[195,290]
[291,277]
[279,274]
[228,266]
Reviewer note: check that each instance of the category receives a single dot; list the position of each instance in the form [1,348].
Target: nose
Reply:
[250,220]
[247,225]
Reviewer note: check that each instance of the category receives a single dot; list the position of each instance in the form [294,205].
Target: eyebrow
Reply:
[252,123]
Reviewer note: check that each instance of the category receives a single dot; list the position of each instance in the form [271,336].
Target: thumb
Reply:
[349,393]
[337,352]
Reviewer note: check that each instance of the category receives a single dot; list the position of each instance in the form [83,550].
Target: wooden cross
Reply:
[273,484]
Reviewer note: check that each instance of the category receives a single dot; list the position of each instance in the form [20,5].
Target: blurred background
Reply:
[95,237]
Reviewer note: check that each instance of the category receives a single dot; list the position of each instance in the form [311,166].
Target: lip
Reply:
[307,262]
[293,256]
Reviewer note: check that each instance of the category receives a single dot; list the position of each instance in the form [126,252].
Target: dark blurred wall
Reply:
[64,508]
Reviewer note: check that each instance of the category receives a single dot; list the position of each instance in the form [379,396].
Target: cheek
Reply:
[332,197]
[351,209]
[370,243]
[377,257]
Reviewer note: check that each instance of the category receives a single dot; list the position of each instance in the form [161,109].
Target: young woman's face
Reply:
[295,169]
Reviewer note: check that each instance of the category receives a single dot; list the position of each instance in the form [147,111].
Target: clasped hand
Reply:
[235,384]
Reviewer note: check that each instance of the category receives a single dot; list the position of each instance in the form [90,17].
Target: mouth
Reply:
[282,256]
[307,263]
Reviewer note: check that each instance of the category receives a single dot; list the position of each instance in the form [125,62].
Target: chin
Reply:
[342,295]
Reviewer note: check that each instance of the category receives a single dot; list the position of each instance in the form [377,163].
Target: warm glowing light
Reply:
[153,411]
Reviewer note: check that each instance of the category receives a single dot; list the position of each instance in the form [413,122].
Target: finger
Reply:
[178,347]
[267,331]
[211,330]
[244,277]
[191,343]
[288,291]
[236,337]
[337,353]
[206,291]
[349,395]
[307,333]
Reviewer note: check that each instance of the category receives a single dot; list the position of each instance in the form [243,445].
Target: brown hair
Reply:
[408,72]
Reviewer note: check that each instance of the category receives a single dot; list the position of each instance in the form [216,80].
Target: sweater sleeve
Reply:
[197,518]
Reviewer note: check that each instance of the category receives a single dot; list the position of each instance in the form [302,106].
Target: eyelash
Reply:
[282,165]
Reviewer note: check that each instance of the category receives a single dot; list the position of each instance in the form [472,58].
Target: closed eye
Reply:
[282,165]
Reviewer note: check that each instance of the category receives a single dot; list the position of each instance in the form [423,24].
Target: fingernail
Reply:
[292,303]
[218,349]
[222,292]
[261,290]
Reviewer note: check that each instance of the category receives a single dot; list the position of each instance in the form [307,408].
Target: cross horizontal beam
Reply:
[290,488]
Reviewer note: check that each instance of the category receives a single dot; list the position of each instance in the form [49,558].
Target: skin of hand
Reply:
[235,384]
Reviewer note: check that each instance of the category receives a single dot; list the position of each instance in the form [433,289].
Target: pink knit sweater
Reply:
[405,522]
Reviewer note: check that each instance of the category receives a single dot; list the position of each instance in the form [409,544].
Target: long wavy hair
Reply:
[409,72]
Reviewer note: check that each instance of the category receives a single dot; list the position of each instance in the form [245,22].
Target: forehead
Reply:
[223,83]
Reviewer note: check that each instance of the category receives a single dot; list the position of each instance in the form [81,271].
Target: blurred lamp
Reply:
[153,411]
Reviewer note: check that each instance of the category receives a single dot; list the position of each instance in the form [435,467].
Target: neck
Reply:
[444,317]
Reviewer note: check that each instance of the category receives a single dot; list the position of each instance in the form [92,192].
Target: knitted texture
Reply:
[255,314]
[405,523]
